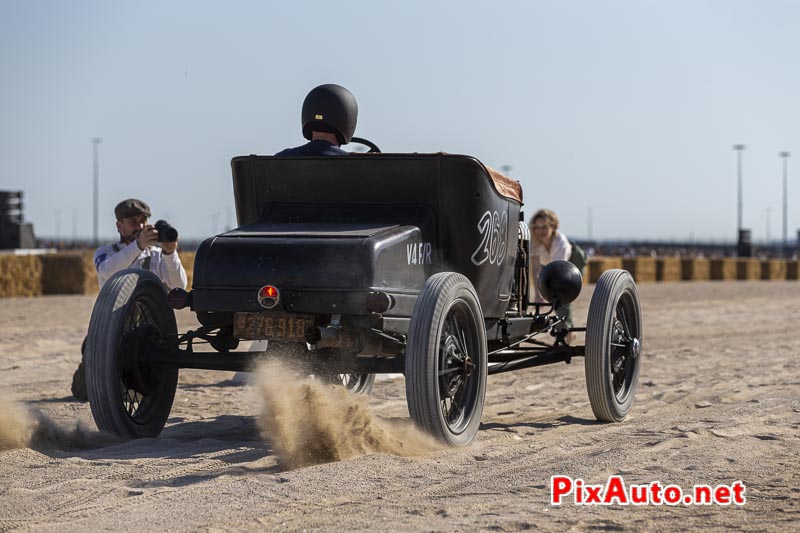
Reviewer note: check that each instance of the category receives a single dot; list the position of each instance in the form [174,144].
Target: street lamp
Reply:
[96,174]
[785,157]
[767,237]
[739,149]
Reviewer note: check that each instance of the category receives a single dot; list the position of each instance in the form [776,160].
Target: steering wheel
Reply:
[373,148]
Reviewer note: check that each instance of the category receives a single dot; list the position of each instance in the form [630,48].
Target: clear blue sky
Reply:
[630,107]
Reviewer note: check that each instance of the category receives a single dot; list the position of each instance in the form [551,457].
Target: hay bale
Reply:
[792,270]
[773,269]
[748,269]
[695,269]
[723,269]
[63,273]
[597,265]
[643,269]
[187,260]
[20,275]
[90,283]
[668,269]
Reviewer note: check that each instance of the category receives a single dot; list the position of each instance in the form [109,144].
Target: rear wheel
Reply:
[356,383]
[131,317]
[446,360]
[613,346]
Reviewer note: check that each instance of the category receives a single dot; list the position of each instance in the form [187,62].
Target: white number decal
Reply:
[493,229]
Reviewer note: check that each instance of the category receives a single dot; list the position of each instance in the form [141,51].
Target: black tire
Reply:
[613,346]
[446,360]
[128,398]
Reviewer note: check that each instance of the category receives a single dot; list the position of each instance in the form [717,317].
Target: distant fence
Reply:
[74,273]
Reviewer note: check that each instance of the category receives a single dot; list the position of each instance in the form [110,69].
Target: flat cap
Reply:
[130,208]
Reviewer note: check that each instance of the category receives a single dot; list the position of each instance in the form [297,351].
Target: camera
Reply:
[166,233]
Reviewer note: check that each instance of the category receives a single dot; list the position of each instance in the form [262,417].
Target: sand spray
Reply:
[22,427]
[308,421]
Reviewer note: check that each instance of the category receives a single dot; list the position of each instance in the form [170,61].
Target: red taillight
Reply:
[178,298]
[268,296]
[272,292]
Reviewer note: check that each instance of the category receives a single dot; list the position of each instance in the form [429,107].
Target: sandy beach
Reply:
[718,402]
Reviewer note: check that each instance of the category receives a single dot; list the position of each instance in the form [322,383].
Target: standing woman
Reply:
[548,244]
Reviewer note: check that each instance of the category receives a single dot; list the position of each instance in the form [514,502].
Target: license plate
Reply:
[271,326]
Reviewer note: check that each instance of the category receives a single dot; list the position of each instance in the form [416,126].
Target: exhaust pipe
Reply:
[332,337]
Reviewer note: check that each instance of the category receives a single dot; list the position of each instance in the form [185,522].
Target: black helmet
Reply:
[330,108]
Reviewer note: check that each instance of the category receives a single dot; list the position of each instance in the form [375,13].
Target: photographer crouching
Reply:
[141,245]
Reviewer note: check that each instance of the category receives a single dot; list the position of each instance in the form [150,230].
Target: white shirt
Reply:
[560,250]
[168,268]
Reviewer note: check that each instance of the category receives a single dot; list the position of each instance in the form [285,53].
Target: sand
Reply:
[719,401]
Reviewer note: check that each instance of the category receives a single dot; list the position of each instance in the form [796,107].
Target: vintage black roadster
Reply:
[358,265]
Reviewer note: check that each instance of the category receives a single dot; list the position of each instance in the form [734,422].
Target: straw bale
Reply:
[20,275]
[773,269]
[90,284]
[63,273]
[187,260]
[643,269]
[597,265]
[723,269]
[748,269]
[668,269]
[792,270]
[695,269]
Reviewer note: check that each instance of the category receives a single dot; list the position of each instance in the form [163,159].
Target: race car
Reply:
[358,265]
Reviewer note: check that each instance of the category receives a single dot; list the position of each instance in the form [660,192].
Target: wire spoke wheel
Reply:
[456,368]
[613,346]
[136,381]
[446,360]
[131,318]
[356,383]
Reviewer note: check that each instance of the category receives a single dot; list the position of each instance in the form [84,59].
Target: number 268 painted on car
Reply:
[493,228]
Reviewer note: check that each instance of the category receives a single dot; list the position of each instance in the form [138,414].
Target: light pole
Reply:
[769,212]
[739,149]
[96,174]
[785,157]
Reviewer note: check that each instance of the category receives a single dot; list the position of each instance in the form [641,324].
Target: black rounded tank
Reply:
[560,282]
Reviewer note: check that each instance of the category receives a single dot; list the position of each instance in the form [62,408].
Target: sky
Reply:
[620,115]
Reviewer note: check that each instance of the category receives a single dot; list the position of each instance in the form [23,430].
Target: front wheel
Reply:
[131,317]
[446,360]
[613,346]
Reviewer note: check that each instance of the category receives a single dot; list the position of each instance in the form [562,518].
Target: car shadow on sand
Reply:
[179,440]
[566,420]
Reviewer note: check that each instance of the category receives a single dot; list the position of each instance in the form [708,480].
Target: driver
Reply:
[136,249]
[329,120]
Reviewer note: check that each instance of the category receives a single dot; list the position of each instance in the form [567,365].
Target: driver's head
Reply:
[330,108]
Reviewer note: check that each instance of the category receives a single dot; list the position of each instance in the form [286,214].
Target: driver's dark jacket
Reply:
[318,147]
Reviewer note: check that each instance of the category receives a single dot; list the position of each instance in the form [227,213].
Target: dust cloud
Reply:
[21,427]
[309,422]
[17,425]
